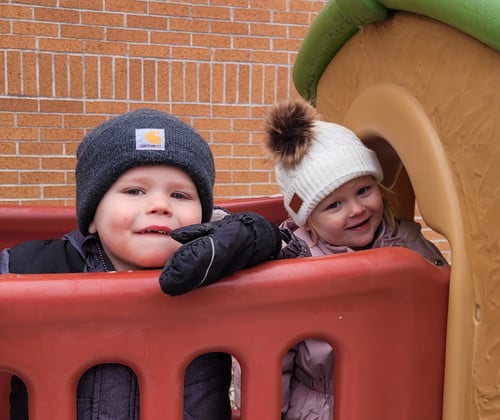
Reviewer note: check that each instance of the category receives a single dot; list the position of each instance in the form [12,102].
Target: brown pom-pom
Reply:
[288,129]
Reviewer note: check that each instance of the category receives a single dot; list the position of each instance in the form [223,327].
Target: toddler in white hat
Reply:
[330,185]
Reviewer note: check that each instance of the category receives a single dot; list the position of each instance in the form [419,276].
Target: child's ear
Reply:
[92,228]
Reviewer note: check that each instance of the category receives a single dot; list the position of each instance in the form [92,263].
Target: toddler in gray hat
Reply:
[144,200]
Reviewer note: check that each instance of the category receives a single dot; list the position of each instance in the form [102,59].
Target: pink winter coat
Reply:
[307,379]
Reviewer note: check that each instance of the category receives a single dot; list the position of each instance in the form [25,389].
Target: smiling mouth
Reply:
[155,231]
[363,223]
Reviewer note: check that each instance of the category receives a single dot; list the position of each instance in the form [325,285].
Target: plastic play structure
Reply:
[420,78]
[417,80]
[384,312]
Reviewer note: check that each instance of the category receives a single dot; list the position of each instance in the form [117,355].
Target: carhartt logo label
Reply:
[150,139]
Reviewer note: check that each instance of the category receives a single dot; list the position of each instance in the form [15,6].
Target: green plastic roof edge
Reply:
[340,19]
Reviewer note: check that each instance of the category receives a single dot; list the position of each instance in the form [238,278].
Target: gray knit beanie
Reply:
[139,138]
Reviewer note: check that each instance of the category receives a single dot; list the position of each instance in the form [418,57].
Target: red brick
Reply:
[14,73]
[231,191]
[268,4]
[169,9]
[252,42]
[39,120]
[13,133]
[65,134]
[20,191]
[45,71]
[38,149]
[58,163]
[146,22]
[233,55]
[230,83]
[106,48]
[126,6]
[217,83]
[230,28]
[211,12]
[188,25]
[205,123]
[126,35]
[8,11]
[149,69]
[3,86]
[90,70]
[82,32]
[61,106]
[202,54]
[243,87]
[45,177]
[232,3]
[213,41]
[204,82]
[257,84]
[291,18]
[106,107]
[16,162]
[7,147]
[252,15]
[8,177]
[263,189]
[231,137]
[102,19]
[19,42]
[18,104]
[264,29]
[135,79]
[165,39]
[58,192]
[163,80]
[190,109]
[56,15]
[77,4]
[83,120]
[75,76]
[6,119]
[61,75]
[35,28]
[30,74]
[152,51]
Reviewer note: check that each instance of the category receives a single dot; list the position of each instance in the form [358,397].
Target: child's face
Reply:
[350,215]
[136,215]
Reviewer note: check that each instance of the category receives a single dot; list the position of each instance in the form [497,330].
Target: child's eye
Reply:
[134,191]
[363,190]
[334,205]
[179,195]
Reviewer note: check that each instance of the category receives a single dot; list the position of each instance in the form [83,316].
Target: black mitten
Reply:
[217,249]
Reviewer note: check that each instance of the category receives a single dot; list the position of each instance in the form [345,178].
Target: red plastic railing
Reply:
[383,311]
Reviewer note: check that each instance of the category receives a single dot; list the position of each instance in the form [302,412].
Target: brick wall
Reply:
[67,65]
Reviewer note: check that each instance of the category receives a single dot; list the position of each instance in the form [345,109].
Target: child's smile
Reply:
[162,230]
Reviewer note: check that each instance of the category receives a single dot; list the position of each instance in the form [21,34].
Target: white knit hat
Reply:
[313,158]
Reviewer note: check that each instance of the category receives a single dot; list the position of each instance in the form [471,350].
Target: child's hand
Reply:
[215,250]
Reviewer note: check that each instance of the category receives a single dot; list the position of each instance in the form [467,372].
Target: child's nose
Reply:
[160,205]
[356,208]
